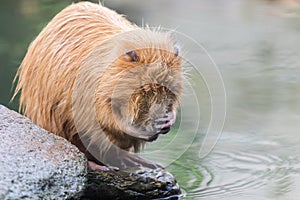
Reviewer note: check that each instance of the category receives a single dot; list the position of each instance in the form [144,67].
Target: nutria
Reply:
[103,83]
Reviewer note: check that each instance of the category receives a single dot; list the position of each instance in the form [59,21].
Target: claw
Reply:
[160,119]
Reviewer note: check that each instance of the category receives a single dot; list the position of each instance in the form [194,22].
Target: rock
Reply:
[131,184]
[36,164]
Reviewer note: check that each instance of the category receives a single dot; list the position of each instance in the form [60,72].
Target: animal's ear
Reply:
[130,56]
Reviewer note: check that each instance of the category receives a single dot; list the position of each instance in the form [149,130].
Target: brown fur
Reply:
[77,81]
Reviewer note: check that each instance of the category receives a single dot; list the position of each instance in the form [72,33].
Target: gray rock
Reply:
[36,164]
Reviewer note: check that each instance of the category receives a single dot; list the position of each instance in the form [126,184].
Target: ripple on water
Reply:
[242,175]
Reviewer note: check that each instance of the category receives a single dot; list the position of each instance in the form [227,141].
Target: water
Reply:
[256,46]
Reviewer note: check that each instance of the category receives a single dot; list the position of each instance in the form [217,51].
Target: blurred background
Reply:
[256,46]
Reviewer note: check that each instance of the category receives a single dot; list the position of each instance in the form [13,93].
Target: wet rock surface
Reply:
[131,184]
[36,164]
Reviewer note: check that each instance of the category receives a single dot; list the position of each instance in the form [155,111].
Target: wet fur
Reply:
[76,81]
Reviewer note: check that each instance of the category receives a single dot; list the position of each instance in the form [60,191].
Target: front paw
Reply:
[131,160]
[163,125]
[96,167]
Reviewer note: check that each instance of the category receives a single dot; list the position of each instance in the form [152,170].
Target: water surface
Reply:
[256,46]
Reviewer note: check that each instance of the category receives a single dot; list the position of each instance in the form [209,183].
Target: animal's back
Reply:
[49,69]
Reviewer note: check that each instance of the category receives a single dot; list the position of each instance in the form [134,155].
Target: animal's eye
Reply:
[131,56]
[176,51]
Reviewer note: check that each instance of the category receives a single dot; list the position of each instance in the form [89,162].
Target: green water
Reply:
[256,47]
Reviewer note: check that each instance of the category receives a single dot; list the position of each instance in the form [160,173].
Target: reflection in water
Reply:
[256,47]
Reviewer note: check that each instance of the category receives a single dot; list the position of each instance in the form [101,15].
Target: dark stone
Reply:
[131,184]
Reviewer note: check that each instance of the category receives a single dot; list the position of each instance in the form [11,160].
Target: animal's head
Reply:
[143,85]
